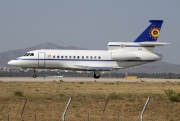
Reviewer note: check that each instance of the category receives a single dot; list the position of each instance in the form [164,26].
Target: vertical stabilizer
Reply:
[151,33]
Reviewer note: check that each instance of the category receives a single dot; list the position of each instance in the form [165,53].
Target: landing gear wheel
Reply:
[96,77]
[96,74]
[34,74]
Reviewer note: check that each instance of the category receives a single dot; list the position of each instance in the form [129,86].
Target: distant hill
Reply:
[154,67]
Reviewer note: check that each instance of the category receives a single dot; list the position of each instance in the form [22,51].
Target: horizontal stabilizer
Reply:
[153,43]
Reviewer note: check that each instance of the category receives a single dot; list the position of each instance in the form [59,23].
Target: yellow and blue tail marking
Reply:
[151,33]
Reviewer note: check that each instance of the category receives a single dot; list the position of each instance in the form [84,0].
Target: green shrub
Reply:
[18,93]
[62,94]
[113,95]
[78,114]
[173,96]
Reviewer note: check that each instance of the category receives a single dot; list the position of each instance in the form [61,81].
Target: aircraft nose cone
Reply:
[12,62]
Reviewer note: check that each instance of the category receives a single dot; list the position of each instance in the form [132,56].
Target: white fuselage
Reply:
[117,57]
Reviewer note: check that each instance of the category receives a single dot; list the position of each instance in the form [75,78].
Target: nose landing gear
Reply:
[34,74]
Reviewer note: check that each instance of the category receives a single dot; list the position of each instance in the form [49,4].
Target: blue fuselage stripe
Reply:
[87,60]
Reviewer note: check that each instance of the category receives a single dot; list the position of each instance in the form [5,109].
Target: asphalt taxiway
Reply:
[78,79]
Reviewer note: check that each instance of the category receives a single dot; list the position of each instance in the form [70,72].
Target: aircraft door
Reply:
[41,59]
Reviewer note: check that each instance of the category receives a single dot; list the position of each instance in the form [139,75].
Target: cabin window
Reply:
[62,57]
[99,57]
[69,57]
[82,57]
[77,57]
[74,57]
[58,56]
[54,56]
[66,57]
[91,57]
[87,57]
[94,57]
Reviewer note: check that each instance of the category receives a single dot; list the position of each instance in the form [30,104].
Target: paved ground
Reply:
[77,79]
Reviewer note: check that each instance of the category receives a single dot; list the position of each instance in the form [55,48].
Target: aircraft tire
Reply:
[34,76]
[96,77]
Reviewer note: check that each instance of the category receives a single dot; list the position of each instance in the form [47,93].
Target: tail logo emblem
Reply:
[154,32]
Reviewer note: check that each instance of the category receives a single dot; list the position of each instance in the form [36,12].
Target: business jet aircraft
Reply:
[119,55]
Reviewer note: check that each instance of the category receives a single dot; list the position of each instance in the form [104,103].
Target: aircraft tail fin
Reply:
[151,33]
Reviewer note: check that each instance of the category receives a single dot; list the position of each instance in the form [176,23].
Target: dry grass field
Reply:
[47,100]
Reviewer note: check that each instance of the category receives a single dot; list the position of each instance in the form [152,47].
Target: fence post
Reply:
[8,117]
[88,116]
[166,116]
[144,109]
[105,105]
[35,117]
[64,114]
[23,107]
[118,116]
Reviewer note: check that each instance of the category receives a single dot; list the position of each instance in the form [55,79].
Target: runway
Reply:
[78,79]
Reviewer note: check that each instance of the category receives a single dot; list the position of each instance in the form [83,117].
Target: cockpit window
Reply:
[32,54]
[25,54]
[29,54]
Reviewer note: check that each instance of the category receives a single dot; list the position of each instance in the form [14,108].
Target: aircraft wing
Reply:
[92,68]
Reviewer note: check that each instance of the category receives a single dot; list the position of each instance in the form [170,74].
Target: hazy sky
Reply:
[87,23]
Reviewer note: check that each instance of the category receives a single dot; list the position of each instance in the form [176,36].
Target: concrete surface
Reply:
[78,79]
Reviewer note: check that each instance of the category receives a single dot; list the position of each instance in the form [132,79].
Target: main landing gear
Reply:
[34,74]
[96,74]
